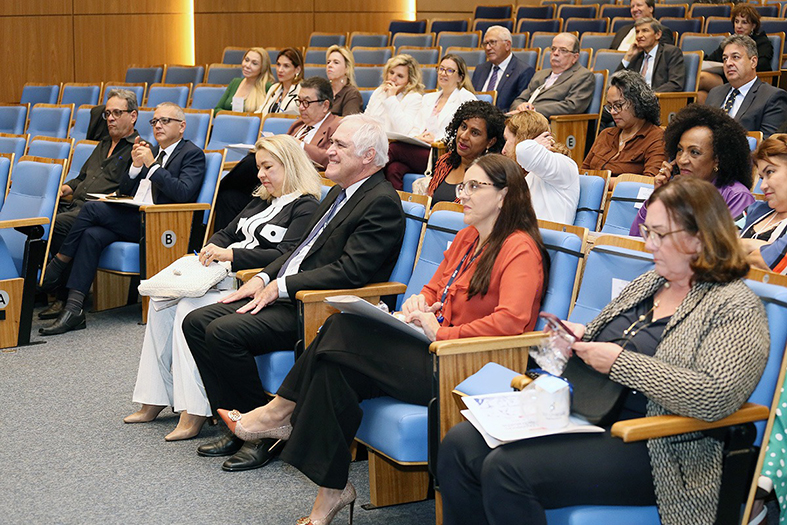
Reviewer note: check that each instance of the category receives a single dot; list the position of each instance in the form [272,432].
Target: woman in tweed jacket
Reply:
[696,348]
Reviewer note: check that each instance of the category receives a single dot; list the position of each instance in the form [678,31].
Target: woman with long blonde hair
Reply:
[248,92]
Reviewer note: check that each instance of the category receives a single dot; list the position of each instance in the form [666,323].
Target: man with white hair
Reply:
[502,71]
[354,239]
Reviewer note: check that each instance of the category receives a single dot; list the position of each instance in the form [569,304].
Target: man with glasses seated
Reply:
[170,172]
[564,88]
[313,129]
[502,71]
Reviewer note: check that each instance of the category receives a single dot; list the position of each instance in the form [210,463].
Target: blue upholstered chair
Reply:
[277,123]
[700,42]
[315,71]
[81,122]
[363,39]
[6,166]
[33,93]
[14,144]
[314,55]
[79,94]
[531,25]
[372,55]
[198,122]
[424,55]
[412,39]
[177,74]
[206,96]
[13,118]
[406,26]
[473,57]
[223,73]
[494,11]
[624,204]
[676,11]
[138,88]
[50,148]
[50,120]
[327,39]
[233,128]
[144,114]
[615,11]
[593,185]
[596,41]
[586,25]
[483,24]
[534,11]
[368,77]
[577,11]
[671,103]
[706,10]
[169,232]
[233,55]
[448,39]
[177,93]
[149,75]
[438,25]
[682,25]
[25,219]
[82,150]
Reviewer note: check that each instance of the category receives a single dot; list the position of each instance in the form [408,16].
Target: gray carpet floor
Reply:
[67,457]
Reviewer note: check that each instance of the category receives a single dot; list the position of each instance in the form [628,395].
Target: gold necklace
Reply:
[629,332]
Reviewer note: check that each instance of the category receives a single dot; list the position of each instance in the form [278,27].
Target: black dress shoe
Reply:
[53,312]
[226,445]
[65,322]
[254,454]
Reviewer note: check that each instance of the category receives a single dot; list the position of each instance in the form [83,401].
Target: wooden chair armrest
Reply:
[676,95]
[187,206]
[574,117]
[485,344]
[662,426]
[21,223]
[245,275]
[370,290]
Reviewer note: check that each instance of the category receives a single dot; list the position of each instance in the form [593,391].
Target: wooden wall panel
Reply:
[35,7]
[102,52]
[363,6]
[214,32]
[46,58]
[135,7]
[337,22]
[253,6]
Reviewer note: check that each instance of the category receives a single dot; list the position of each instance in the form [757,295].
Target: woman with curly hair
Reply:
[398,100]
[634,145]
[476,129]
[706,143]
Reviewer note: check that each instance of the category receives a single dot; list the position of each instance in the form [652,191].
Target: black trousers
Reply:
[235,191]
[519,480]
[352,359]
[67,213]
[224,344]
[98,225]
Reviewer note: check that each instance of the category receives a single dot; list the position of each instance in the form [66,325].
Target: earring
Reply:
[715,169]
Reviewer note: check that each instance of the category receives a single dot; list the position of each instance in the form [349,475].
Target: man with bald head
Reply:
[502,71]
[564,88]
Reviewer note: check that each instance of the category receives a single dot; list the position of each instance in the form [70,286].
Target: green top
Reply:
[225,102]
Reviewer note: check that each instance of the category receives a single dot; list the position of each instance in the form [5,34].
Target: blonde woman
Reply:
[340,69]
[269,226]
[552,176]
[252,87]
[282,97]
[437,111]
[398,100]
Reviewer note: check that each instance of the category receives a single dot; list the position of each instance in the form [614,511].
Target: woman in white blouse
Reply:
[269,226]
[552,176]
[437,110]
[282,96]
[398,100]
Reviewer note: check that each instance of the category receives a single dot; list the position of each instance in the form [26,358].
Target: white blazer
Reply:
[436,124]
[288,104]
[398,113]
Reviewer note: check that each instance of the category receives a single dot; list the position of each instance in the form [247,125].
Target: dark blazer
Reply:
[277,235]
[764,108]
[317,149]
[669,73]
[179,181]
[359,245]
[571,93]
[620,34]
[513,81]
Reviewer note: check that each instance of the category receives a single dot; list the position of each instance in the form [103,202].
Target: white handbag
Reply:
[186,277]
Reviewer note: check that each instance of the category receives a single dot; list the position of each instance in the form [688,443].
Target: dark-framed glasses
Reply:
[163,120]
[560,50]
[115,113]
[470,187]
[446,70]
[617,107]
[306,102]
[655,237]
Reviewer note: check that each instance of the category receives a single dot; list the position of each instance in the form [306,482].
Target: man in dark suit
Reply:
[502,71]
[565,88]
[168,173]
[625,36]
[354,239]
[660,64]
[316,126]
[757,106]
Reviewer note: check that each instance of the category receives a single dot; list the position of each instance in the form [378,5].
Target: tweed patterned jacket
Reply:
[711,356]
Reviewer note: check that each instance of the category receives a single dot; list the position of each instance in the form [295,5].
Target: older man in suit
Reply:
[354,239]
[626,35]
[502,71]
[566,87]
[169,172]
[757,106]
[660,64]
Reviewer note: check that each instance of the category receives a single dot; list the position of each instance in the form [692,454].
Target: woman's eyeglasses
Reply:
[469,187]
[617,107]
[654,236]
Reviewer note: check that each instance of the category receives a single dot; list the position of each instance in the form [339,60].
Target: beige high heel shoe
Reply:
[145,414]
[189,426]
[347,498]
